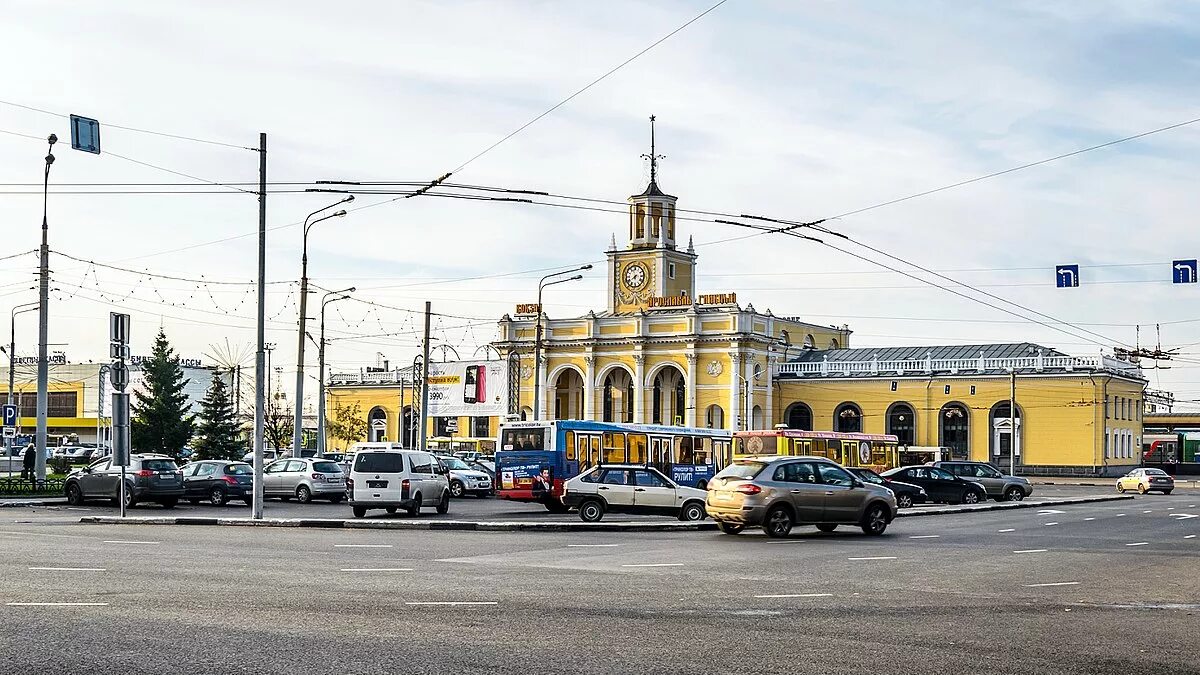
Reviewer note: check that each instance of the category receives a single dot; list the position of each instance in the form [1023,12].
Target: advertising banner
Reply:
[468,388]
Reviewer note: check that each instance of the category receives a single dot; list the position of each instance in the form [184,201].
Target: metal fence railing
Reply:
[17,487]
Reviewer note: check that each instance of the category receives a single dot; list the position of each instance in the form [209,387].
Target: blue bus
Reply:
[534,459]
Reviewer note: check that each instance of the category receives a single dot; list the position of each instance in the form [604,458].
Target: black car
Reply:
[148,478]
[907,494]
[218,481]
[941,485]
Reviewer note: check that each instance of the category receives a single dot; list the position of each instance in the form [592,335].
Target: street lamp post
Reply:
[43,365]
[298,426]
[325,300]
[548,280]
[12,356]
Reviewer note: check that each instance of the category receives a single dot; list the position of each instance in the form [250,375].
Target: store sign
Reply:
[670,301]
[682,300]
[719,299]
[183,363]
[56,359]
[528,309]
[468,388]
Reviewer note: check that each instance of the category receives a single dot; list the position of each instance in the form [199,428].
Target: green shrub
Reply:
[59,465]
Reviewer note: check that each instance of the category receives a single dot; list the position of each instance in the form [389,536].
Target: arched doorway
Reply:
[756,417]
[408,427]
[669,397]
[714,417]
[526,413]
[810,342]
[377,425]
[902,423]
[618,396]
[568,395]
[800,416]
[848,418]
[955,430]
[1000,440]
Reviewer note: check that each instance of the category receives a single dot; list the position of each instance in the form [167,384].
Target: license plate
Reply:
[377,483]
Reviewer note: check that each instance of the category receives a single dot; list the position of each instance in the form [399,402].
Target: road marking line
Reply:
[376,569]
[877,557]
[1049,524]
[1032,550]
[1049,512]
[69,569]
[362,545]
[591,545]
[797,595]
[1148,511]
[1183,516]
[1089,519]
[1189,536]
[1119,515]
[1009,529]
[1140,543]
[788,541]
[56,604]
[457,602]
[124,541]
[925,536]
[655,565]
[1057,583]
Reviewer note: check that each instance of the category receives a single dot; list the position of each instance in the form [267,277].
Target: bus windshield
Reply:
[523,439]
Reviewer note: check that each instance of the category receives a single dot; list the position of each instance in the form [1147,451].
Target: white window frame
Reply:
[670,270]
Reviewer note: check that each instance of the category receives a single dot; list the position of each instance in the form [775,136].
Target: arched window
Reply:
[847,418]
[618,396]
[669,397]
[955,427]
[756,418]
[799,416]
[1000,439]
[901,423]
[526,413]
[810,342]
[714,417]
[568,396]
[833,343]
[377,425]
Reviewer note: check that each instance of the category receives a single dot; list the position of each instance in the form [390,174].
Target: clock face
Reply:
[635,275]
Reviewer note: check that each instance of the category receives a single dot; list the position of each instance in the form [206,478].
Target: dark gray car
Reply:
[148,478]
[999,486]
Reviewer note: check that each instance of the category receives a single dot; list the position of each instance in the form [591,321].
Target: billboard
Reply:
[468,388]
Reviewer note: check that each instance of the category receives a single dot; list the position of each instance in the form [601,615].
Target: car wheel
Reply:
[169,503]
[1141,489]
[827,527]
[1120,488]
[217,497]
[1014,494]
[970,497]
[443,506]
[904,501]
[692,511]
[130,502]
[730,528]
[303,494]
[74,495]
[390,509]
[415,508]
[875,520]
[779,522]
[591,511]
[456,489]
[360,511]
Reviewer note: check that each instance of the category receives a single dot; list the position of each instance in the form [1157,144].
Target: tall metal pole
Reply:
[1013,437]
[43,366]
[321,370]
[424,380]
[12,362]
[537,333]
[256,507]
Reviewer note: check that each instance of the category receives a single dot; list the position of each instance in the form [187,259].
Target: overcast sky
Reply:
[793,109]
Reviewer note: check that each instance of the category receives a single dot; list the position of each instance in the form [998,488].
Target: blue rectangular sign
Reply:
[85,134]
[10,415]
[1183,271]
[1066,276]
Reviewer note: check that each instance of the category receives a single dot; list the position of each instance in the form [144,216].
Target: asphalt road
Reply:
[1096,588]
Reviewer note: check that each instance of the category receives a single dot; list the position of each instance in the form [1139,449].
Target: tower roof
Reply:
[652,190]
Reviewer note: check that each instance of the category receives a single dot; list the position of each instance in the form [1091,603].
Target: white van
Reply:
[391,479]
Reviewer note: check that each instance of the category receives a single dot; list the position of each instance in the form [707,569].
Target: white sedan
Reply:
[631,488]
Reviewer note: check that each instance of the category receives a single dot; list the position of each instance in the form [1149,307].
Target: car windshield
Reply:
[239,470]
[158,465]
[455,464]
[869,476]
[745,470]
[1155,472]
[327,467]
[379,462]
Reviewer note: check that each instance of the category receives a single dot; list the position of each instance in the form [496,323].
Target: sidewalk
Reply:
[33,501]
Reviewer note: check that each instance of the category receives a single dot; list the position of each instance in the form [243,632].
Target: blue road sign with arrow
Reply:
[10,415]
[1183,271]
[1066,276]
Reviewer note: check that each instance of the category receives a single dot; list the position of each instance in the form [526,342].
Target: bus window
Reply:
[683,450]
[614,448]
[880,454]
[637,448]
[593,450]
[708,449]
[570,446]
[523,439]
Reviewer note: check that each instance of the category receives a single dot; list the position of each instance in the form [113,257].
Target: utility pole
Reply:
[256,507]
[43,365]
[1014,437]
[424,379]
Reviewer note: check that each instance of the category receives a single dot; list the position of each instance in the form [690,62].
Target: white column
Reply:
[690,415]
[639,388]
[769,409]
[732,415]
[589,388]
[748,399]
[544,394]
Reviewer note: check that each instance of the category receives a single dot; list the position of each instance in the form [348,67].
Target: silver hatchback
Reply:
[305,479]
[780,492]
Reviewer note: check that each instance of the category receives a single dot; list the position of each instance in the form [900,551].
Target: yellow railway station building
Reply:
[663,351]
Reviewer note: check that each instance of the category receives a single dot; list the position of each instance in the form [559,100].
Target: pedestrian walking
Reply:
[29,462]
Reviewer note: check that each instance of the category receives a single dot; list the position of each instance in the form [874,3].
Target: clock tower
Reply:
[651,266]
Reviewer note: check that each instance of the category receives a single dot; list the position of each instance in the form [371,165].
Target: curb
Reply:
[48,501]
[447,525]
[1010,505]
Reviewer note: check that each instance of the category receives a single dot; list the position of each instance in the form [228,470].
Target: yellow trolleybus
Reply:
[872,451]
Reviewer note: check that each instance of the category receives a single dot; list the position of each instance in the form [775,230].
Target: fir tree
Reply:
[162,420]
[218,432]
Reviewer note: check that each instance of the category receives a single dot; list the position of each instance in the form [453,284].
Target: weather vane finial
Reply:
[653,157]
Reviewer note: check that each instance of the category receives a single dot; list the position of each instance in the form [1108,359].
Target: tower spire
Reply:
[652,156]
